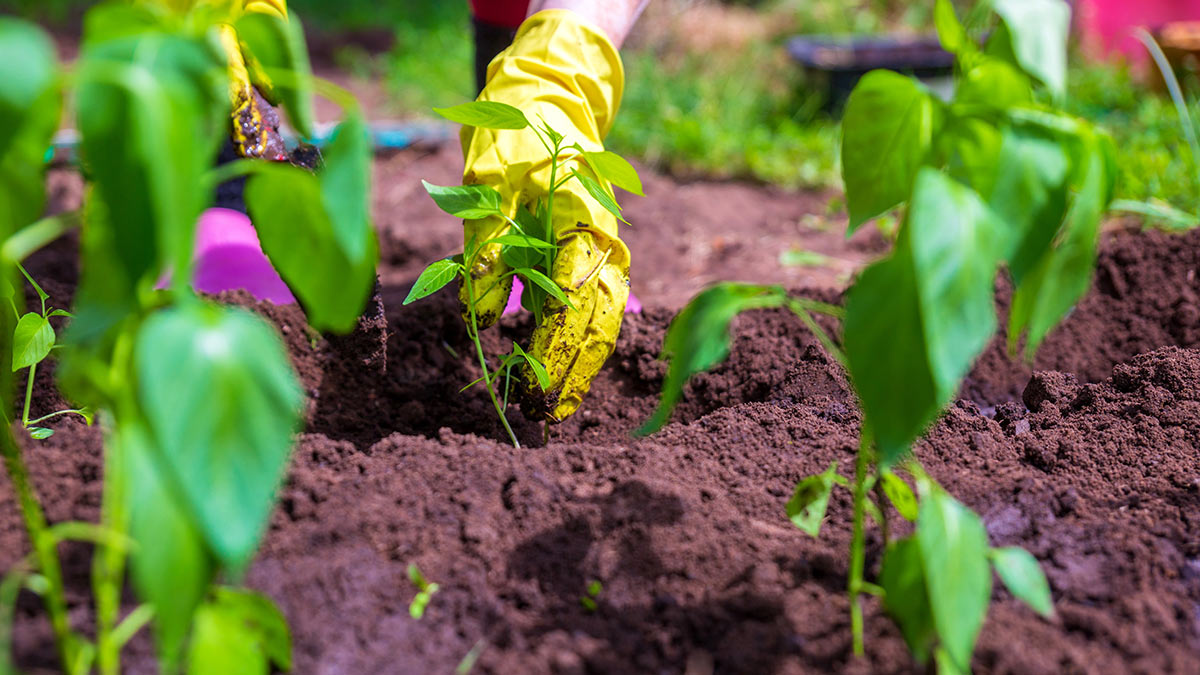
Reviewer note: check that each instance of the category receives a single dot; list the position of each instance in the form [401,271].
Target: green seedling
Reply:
[33,340]
[528,243]
[588,599]
[996,178]
[198,402]
[425,591]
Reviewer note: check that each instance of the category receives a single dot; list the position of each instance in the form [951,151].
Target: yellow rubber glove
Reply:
[255,123]
[568,73]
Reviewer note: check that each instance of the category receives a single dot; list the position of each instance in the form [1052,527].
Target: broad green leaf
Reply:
[806,508]
[112,20]
[899,494]
[698,338]
[239,631]
[171,566]
[432,279]
[1064,273]
[601,196]
[226,436]
[346,184]
[485,115]
[539,371]
[615,169]
[520,240]
[954,552]
[995,83]
[287,209]
[969,148]
[950,30]
[465,201]
[32,341]
[887,129]
[152,109]
[1037,31]
[906,598]
[922,315]
[29,71]
[40,433]
[546,284]
[278,47]
[1023,577]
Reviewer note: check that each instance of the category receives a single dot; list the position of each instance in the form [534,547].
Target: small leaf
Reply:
[1037,31]
[521,241]
[1023,577]
[468,202]
[954,552]
[950,30]
[239,631]
[899,494]
[806,508]
[906,597]
[601,196]
[33,339]
[278,47]
[40,433]
[698,338]
[539,371]
[485,115]
[432,279]
[796,257]
[546,284]
[615,169]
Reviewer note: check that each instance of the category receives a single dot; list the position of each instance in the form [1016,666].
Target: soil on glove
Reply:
[1090,459]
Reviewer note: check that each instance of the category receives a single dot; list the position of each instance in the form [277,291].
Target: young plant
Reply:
[198,402]
[425,591]
[995,177]
[32,341]
[527,242]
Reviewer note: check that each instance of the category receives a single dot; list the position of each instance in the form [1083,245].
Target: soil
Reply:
[1090,459]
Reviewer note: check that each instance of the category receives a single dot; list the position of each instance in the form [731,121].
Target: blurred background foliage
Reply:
[710,88]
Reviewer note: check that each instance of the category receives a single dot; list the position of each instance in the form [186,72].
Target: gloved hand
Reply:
[568,73]
[255,121]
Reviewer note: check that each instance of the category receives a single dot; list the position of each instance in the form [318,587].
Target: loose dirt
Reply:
[1090,459]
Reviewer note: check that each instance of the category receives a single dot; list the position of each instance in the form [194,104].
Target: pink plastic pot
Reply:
[1107,25]
[229,257]
[634,306]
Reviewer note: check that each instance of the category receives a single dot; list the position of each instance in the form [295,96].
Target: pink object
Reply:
[228,256]
[633,306]
[1108,25]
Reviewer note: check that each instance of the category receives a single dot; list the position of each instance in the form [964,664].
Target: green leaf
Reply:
[887,130]
[995,83]
[899,494]
[29,71]
[346,184]
[539,371]
[601,196]
[287,208]
[906,598]
[239,631]
[39,433]
[32,341]
[615,169]
[227,435]
[527,256]
[1157,213]
[1023,577]
[278,46]
[171,566]
[152,109]
[950,30]
[1037,31]
[465,201]
[520,241]
[796,257]
[806,508]
[698,338]
[1063,274]
[485,115]
[432,279]
[954,552]
[546,284]
[922,315]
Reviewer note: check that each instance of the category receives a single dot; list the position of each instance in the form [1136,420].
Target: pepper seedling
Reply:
[425,591]
[527,242]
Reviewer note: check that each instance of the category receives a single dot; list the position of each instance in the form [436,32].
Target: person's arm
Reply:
[614,17]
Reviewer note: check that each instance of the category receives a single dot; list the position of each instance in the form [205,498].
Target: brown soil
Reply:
[1093,465]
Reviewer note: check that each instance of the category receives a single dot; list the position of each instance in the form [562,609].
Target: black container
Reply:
[839,62]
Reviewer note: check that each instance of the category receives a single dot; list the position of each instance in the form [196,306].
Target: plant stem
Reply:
[858,541]
[108,566]
[56,413]
[44,547]
[28,395]
[487,378]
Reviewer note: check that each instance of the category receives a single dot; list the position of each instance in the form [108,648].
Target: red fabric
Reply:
[506,13]
[1108,24]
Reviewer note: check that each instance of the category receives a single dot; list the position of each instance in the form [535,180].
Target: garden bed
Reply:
[1093,465]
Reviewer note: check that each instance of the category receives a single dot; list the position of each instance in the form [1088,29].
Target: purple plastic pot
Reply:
[634,306]
[229,257]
